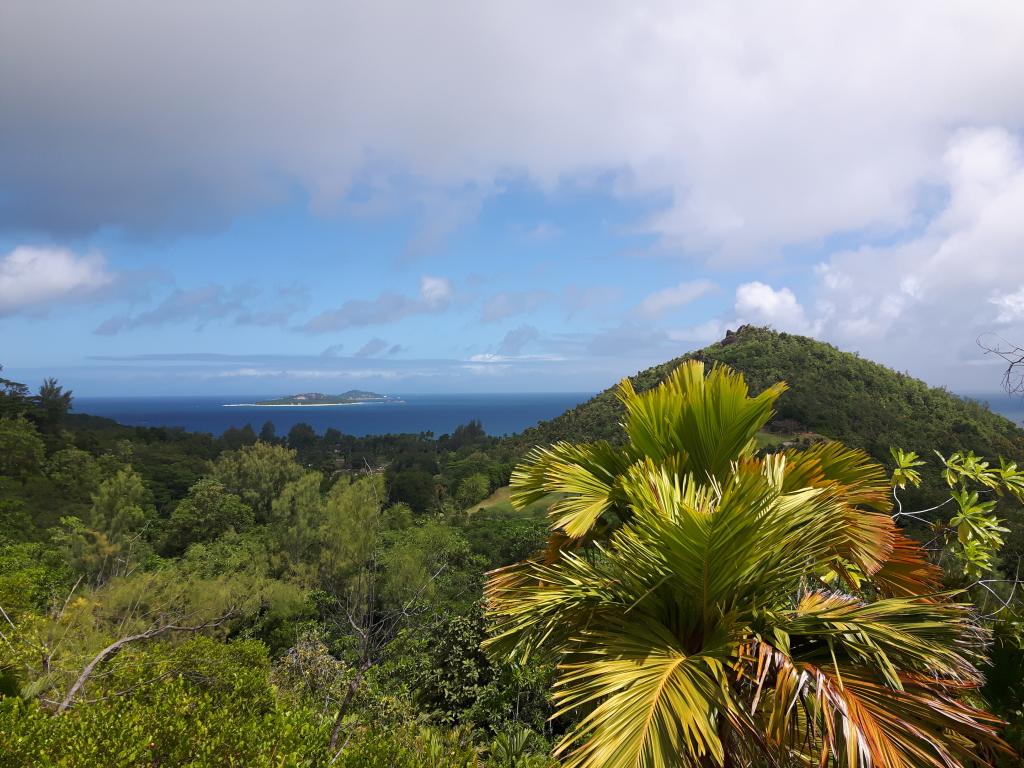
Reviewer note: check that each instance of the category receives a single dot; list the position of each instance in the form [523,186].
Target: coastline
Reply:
[302,405]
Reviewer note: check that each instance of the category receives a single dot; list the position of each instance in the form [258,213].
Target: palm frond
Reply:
[709,421]
[653,704]
[896,635]
[587,474]
[907,571]
[850,717]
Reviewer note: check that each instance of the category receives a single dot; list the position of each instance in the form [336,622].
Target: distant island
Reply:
[352,397]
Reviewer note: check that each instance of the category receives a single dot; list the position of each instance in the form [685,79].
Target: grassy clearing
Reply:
[498,497]
[499,504]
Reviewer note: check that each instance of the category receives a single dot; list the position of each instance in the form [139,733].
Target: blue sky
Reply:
[501,197]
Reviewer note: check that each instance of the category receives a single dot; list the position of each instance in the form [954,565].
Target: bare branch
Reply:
[115,647]
[1012,354]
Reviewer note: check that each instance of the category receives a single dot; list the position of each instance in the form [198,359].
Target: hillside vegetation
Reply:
[254,599]
[832,393]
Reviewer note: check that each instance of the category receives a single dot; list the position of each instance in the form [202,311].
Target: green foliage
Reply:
[204,514]
[905,472]
[974,534]
[14,398]
[454,682]
[199,704]
[52,403]
[119,507]
[412,486]
[504,536]
[356,563]
[473,489]
[257,473]
[31,576]
[295,521]
[707,602]
[832,393]
[430,563]
[21,448]
[112,541]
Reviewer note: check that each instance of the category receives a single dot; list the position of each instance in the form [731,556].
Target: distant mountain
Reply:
[831,393]
[318,398]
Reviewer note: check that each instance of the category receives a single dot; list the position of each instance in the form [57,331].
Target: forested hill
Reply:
[836,394]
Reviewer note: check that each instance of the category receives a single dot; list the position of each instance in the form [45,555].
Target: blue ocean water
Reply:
[500,414]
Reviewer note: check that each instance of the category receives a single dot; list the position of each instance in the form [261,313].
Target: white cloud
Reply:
[1011,306]
[435,291]
[35,278]
[920,303]
[759,303]
[660,302]
[963,274]
[758,125]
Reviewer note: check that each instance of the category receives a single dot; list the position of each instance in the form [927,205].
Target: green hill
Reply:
[832,393]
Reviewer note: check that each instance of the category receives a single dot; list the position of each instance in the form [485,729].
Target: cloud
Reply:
[961,275]
[761,304]
[920,302]
[1010,305]
[516,339]
[508,304]
[660,302]
[755,127]
[334,350]
[204,305]
[435,295]
[34,279]
[371,348]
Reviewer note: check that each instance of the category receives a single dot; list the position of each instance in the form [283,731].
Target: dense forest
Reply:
[173,598]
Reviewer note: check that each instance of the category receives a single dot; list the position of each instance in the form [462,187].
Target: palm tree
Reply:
[712,607]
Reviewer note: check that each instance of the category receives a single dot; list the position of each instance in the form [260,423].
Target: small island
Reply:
[352,397]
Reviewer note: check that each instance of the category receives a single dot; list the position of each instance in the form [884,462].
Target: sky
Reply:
[252,198]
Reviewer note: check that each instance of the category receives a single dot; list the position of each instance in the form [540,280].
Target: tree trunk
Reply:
[350,694]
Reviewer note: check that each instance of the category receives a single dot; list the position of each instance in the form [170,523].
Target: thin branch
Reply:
[118,645]
[1012,354]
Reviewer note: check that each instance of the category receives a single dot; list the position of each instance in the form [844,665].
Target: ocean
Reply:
[500,414]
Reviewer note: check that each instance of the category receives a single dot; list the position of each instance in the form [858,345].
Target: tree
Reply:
[54,404]
[472,489]
[268,432]
[75,472]
[204,514]
[21,449]
[296,520]
[257,473]
[14,397]
[414,487]
[301,436]
[713,607]
[373,593]
[234,438]
[111,542]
